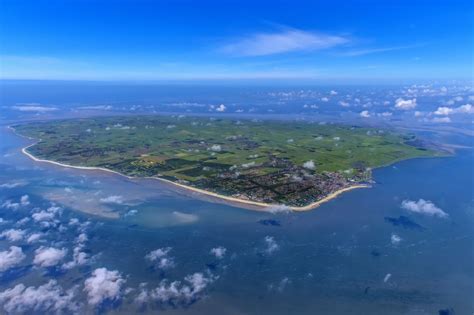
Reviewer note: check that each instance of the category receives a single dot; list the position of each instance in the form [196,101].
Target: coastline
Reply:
[247,204]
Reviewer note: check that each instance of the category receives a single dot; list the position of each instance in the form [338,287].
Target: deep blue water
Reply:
[337,259]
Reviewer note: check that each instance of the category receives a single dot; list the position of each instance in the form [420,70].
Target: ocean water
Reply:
[361,253]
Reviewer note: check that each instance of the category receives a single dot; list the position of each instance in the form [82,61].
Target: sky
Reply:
[336,41]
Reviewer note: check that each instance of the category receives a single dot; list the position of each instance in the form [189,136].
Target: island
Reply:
[293,164]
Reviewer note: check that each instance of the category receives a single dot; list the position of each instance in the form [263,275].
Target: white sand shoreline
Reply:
[247,204]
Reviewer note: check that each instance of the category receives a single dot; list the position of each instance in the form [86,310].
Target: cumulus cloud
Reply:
[177,293]
[104,285]
[13,235]
[25,200]
[463,109]
[116,199]
[10,205]
[42,216]
[49,298]
[11,258]
[47,217]
[221,108]
[309,165]
[364,114]
[424,207]
[443,111]
[395,239]
[34,237]
[161,258]
[219,252]
[405,104]
[79,257]
[288,40]
[271,245]
[22,221]
[49,256]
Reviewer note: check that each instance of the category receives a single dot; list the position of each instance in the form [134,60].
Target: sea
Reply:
[124,246]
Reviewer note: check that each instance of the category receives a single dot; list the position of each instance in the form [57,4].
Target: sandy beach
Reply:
[247,204]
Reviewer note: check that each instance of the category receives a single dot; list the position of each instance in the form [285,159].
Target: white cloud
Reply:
[49,298]
[34,108]
[443,111]
[13,235]
[221,108]
[10,205]
[46,218]
[219,252]
[42,216]
[271,245]
[158,253]
[464,109]
[49,256]
[10,185]
[34,238]
[282,42]
[364,114]
[279,209]
[405,104]
[131,213]
[79,258]
[176,293]
[103,285]
[424,207]
[22,221]
[11,258]
[161,258]
[332,92]
[309,165]
[344,104]
[387,277]
[116,199]
[25,200]
[395,239]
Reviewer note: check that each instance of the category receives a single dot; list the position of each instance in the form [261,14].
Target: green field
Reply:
[292,163]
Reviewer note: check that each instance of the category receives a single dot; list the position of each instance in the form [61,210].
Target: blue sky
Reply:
[217,40]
